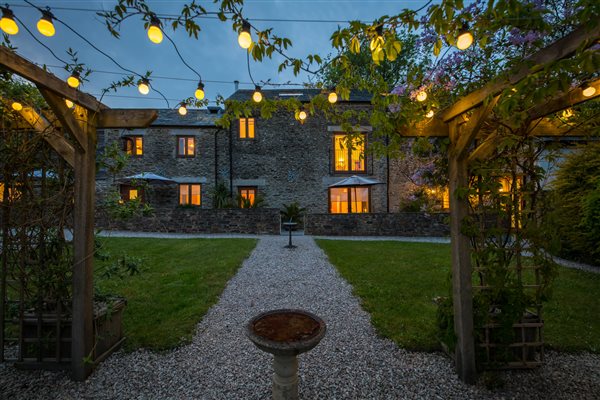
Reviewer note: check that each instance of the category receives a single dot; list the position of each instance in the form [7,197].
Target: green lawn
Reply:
[179,282]
[397,281]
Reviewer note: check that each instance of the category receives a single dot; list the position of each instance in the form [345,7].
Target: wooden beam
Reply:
[560,49]
[50,134]
[473,126]
[462,292]
[126,118]
[546,127]
[563,101]
[37,75]
[433,127]
[82,334]
[486,148]
[70,119]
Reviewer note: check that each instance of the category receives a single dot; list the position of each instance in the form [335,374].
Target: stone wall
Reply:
[381,224]
[199,220]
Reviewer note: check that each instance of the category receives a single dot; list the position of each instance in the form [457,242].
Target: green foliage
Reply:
[221,196]
[292,212]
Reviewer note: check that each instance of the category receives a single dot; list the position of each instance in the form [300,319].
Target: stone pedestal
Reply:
[285,378]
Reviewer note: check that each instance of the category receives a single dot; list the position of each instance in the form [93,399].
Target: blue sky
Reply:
[216,54]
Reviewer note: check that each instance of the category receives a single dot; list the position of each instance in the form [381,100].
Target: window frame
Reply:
[189,185]
[241,188]
[349,170]
[349,200]
[186,138]
[132,139]
[247,130]
[125,188]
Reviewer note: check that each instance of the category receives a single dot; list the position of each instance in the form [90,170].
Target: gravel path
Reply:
[351,362]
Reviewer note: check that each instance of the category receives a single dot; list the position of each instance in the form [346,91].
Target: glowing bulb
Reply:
[45,25]
[144,86]
[257,95]
[332,98]
[7,23]
[588,91]
[199,93]
[244,38]
[568,113]
[430,114]
[182,109]
[17,106]
[302,115]
[73,80]
[69,103]
[154,33]
[422,95]
[465,38]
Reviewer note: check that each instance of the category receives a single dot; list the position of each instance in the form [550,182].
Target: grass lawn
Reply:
[179,282]
[397,281]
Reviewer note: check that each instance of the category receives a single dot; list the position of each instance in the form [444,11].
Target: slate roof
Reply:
[304,95]
[194,118]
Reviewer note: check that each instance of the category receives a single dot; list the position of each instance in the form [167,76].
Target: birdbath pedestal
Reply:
[285,334]
[290,225]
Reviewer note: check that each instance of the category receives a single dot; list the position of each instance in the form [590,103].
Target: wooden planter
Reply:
[46,344]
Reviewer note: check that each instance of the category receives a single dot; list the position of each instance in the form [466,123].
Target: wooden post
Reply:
[83,245]
[462,291]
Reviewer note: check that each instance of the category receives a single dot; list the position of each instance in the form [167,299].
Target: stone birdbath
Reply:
[285,334]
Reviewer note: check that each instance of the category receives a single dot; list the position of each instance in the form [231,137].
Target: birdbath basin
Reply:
[285,334]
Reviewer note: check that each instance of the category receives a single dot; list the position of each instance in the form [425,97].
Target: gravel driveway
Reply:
[351,362]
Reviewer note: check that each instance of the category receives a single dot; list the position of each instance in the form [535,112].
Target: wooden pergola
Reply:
[81,122]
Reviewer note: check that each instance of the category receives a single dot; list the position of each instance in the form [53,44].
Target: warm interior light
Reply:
[144,86]
[17,106]
[7,23]
[73,80]
[257,95]
[332,97]
[182,109]
[69,103]
[199,93]
[465,38]
[244,38]
[430,114]
[588,91]
[45,25]
[422,95]
[154,33]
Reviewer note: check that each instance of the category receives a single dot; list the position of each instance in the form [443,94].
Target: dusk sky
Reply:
[215,55]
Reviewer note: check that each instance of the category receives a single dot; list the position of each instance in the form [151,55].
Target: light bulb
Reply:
[302,115]
[182,109]
[73,80]
[332,98]
[588,91]
[45,25]
[567,113]
[154,33]
[430,114]
[465,38]
[17,106]
[244,38]
[144,86]
[199,93]
[257,95]
[7,23]
[69,103]
[422,95]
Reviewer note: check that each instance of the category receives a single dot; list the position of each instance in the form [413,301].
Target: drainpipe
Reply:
[217,131]
[230,161]
[387,173]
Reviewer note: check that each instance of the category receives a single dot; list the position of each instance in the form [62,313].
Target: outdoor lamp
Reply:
[69,103]
[17,106]
[257,95]
[7,23]
[588,90]
[144,86]
[430,114]
[377,41]
[74,80]
[182,109]
[568,113]
[332,98]
[421,95]
[154,33]
[244,38]
[465,38]
[45,25]
[302,116]
[199,93]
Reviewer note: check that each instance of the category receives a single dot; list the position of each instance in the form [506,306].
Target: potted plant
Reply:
[293,213]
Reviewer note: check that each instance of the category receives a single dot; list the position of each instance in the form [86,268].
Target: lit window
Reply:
[129,192]
[134,145]
[246,128]
[190,194]
[12,193]
[247,196]
[186,146]
[355,199]
[349,158]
